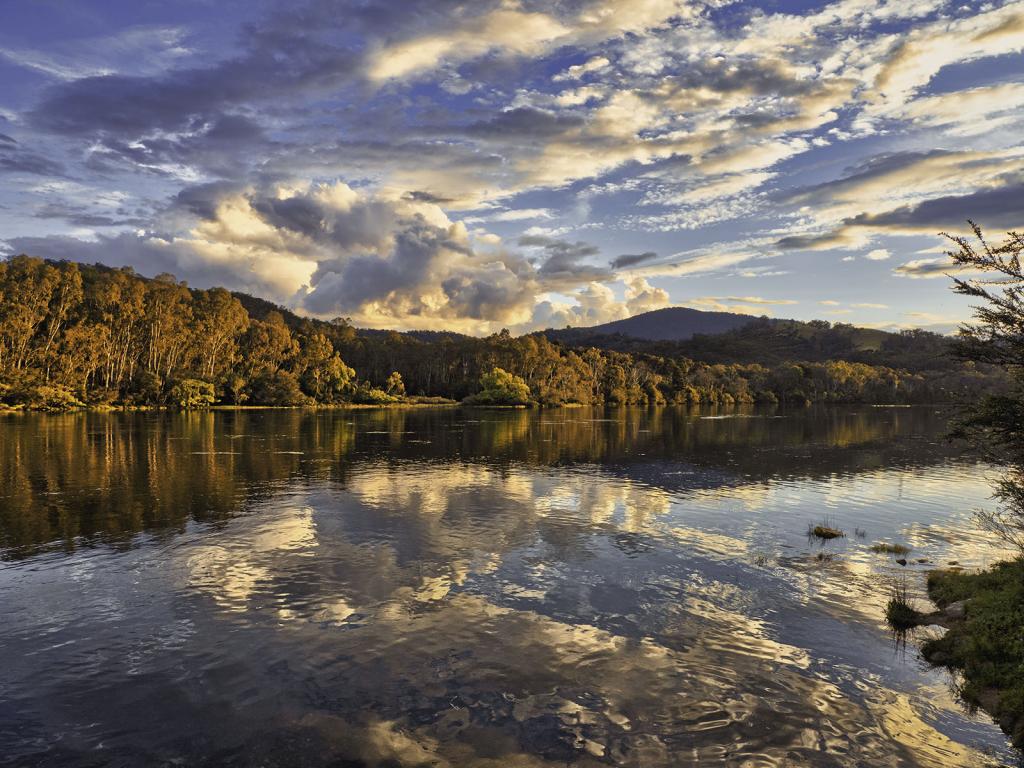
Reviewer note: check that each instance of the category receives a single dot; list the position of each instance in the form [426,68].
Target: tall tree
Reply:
[995,423]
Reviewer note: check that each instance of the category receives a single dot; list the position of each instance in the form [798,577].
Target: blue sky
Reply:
[473,166]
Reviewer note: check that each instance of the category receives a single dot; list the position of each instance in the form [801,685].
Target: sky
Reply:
[470,166]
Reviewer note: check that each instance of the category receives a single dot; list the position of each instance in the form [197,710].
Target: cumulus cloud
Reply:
[595,118]
[331,250]
[596,303]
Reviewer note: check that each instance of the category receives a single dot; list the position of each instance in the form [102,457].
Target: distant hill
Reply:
[670,324]
[724,337]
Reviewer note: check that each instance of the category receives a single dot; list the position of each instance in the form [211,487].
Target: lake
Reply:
[459,587]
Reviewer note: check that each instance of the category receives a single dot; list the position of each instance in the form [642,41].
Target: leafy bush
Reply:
[499,387]
[192,393]
[278,388]
[988,645]
[367,395]
[28,392]
[54,398]
[395,386]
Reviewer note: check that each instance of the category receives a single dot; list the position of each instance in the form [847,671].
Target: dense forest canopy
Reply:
[73,335]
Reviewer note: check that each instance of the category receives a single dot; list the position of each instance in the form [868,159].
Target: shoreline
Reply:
[437,403]
[983,615]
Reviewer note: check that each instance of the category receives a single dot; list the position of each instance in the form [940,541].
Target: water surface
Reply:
[468,587]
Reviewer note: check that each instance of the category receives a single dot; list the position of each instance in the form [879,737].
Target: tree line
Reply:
[74,334]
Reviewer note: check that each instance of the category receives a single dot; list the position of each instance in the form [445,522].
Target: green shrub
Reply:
[277,388]
[499,387]
[367,395]
[192,393]
[987,646]
[29,392]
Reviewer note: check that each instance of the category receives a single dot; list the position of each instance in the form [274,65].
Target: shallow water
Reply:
[472,587]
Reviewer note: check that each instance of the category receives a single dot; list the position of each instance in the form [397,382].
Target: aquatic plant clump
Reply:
[899,612]
[890,549]
[825,530]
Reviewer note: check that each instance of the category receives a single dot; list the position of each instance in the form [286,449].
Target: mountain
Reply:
[724,337]
[670,324]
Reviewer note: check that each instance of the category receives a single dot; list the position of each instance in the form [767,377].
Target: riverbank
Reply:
[418,402]
[984,642]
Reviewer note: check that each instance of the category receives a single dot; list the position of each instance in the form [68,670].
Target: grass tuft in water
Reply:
[899,612]
[824,530]
[890,549]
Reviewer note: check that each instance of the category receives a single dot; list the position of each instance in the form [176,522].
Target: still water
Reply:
[454,587]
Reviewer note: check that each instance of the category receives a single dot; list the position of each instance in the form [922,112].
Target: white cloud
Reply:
[575,72]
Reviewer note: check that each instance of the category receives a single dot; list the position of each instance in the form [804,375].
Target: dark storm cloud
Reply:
[1000,208]
[15,160]
[726,75]
[201,200]
[524,122]
[81,216]
[420,196]
[318,45]
[808,242]
[563,261]
[926,268]
[285,58]
[632,259]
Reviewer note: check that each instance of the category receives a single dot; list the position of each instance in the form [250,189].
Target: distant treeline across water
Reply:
[73,335]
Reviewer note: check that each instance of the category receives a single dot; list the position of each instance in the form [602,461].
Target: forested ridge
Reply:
[74,334]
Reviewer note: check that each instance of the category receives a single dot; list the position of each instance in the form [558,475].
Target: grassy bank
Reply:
[985,641]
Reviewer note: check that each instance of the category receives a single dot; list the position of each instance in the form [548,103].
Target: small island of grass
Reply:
[890,549]
[824,531]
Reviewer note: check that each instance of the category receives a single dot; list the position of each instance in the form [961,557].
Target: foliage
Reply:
[110,336]
[395,386]
[499,387]
[192,393]
[995,424]
[278,388]
[368,395]
[988,645]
